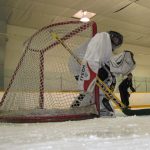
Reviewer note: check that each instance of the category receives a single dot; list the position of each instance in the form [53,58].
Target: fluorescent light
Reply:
[84,19]
[84,16]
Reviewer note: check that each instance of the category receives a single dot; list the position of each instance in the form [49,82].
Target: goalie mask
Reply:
[116,39]
[122,63]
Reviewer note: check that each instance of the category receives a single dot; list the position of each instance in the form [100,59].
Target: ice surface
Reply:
[120,133]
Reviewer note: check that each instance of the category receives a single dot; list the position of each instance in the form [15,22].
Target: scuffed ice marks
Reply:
[125,133]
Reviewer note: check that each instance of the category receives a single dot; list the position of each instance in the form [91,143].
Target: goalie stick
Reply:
[109,94]
[99,82]
[55,36]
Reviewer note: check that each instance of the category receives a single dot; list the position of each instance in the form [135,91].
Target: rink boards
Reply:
[139,103]
[137,100]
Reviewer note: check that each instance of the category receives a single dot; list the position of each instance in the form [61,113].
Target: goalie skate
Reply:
[105,113]
[84,99]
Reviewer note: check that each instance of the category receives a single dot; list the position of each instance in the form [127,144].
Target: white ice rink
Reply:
[120,133]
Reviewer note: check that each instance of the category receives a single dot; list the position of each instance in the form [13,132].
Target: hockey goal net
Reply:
[43,87]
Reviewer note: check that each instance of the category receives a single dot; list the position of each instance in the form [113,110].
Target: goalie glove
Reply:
[122,63]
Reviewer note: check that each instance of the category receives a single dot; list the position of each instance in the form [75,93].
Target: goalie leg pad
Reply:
[107,104]
[87,77]
[84,99]
[106,109]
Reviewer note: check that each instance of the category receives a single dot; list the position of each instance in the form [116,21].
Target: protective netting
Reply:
[43,80]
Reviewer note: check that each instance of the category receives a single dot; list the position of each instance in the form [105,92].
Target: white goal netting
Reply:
[43,82]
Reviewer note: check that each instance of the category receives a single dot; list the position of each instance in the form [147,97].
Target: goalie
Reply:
[96,61]
[120,64]
[94,53]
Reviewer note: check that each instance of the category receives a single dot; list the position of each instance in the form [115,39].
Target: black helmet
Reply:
[116,38]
